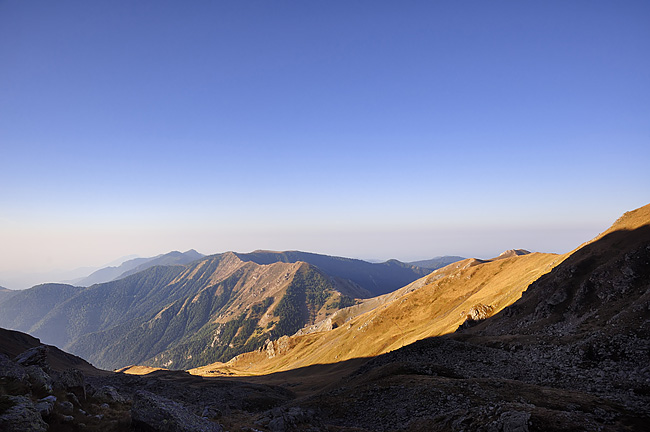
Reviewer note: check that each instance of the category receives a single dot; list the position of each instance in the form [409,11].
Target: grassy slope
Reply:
[437,308]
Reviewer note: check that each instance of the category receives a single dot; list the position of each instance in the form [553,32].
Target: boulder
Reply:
[11,370]
[22,416]
[45,405]
[72,380]
[109,394]
[34,356]
[66,407]
[511,421]
[39,378]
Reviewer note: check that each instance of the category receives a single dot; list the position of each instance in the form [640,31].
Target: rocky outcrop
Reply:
[36,356]
[156,413]
[21,415]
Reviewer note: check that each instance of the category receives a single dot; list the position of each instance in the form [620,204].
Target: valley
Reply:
[274,342]
[187,315]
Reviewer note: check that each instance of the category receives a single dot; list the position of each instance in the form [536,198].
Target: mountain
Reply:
[6,294]
[375,278]
[182,316]
[437,262]
[434,305]
[19,280]
[26,309]
[135,265]
[570,354]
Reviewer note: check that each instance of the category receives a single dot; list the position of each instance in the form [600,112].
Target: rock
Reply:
[34,356]
[286,419]
[277,425]
[66,407]
[109,394]
[480,312]
[11,370]
[39,378]
[72,380]
[50,398]
[46,405]
[22,416]
[211,412]
[153,412]
[73,398]
[511,421]
[68,419]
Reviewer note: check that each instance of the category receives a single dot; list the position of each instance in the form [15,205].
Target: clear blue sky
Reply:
[360,128]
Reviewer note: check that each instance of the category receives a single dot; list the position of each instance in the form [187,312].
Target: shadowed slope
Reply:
[571,355]
[13,343]
[602,285]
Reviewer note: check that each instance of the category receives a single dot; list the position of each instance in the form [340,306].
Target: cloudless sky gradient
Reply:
[372,129]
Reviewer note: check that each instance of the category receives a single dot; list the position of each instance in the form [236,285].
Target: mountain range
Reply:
[521,342]
[437,262]
[136,265]
[182,316]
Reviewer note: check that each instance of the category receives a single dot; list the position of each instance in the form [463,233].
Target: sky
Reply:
[367,129]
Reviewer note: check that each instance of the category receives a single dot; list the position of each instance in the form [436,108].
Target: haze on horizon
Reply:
[372,130]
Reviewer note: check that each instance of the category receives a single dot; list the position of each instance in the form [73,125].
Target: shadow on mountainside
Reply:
[570,355]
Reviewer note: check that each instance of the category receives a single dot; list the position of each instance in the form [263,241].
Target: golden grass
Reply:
[138,370]
[437,308]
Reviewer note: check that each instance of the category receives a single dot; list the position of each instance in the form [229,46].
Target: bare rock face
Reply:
[276,347]
[45,406]
[22,416]
[39,378]
[151,412]
[36,356]
[9,369]
[109,394]
[479,312]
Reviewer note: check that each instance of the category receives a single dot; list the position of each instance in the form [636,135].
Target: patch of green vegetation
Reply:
[342,302]
[239,335]
[305,296]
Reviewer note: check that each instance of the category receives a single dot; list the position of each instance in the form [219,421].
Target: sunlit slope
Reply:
[435,305]
[601,285]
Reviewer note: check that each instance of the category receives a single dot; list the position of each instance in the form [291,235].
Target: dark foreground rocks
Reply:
[151,412]
[40,392]
[573,354]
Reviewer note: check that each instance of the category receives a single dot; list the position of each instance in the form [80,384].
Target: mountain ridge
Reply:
[169,315]
[446,296]
[135,265]
[565,356]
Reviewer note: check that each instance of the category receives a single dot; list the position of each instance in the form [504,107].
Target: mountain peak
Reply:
[512,252]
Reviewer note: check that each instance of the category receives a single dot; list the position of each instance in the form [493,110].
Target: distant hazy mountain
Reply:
[437,262]
[6,294]
[181,316]
[135,265]
[24,309]
[376,278]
